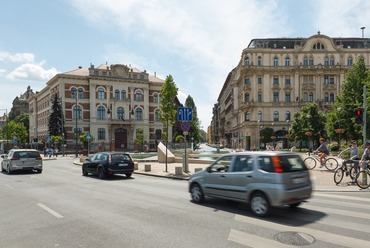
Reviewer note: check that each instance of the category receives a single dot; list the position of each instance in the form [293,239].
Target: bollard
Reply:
[178,170]
[148,167]
[136,165]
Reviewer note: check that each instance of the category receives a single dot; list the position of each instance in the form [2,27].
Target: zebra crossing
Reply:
[327,220]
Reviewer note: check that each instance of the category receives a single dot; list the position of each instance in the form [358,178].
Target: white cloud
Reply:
[34,72]
[17,57]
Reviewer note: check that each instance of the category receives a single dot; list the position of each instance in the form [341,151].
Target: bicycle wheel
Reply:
[363,179]
[331,164]
[310,163]
[338,175]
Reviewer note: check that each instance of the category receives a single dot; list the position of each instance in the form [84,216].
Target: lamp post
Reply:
[339,130]
[75,92]
[258,134]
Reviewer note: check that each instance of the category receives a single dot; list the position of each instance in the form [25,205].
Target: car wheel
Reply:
[196,192]
[8,170]
[84,171]
[128,175]
[259,204]
[101,173]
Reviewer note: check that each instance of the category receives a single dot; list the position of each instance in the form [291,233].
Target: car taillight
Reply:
[14,159]
[277,165]
[39,158]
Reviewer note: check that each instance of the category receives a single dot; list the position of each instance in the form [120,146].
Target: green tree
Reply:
[308,124]
[25,120]
[139,140]
[56,120]
[167,106]
[16,130]
[266,134]
[349,98]
[195,123]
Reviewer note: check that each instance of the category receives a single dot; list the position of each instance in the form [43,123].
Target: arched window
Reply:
[310,62]
[305,60]
[276,61]
[259,116]
[247,61]
[326,97]
[287,61]
[73,93]
[247,116]
[326,60]
[123,95]
[318,46]
[259,61]
[116,94]
[139,114]
[101,93]
[287,116]
[155,98]
[276,116]
[156,115]
[139,96]
[332,61]
[77,111]
[332,97]
[120,113]
[80,93]
[101,113]
[349,61]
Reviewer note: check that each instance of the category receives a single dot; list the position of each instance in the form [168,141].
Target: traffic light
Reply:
[359,116]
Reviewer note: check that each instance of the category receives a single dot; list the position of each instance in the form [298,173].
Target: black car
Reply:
[108,163]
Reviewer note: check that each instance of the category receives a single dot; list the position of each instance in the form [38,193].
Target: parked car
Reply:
[262,179]
[21,159]
[108,163]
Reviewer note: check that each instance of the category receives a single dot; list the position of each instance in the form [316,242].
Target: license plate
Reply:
[298,180]
[122,164]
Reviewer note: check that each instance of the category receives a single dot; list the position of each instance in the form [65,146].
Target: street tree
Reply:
[16,131]
[139,139]
[349,98]
[195,123]
[167,107]
[308,124]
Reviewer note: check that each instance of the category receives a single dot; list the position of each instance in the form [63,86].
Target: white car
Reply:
[21,159]
[262,179]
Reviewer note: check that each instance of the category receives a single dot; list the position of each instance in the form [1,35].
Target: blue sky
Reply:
[198,42]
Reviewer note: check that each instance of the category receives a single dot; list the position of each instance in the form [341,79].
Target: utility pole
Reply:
[364,118]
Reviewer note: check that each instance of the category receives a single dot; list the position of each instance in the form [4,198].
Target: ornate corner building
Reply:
[275,78]
[110,102]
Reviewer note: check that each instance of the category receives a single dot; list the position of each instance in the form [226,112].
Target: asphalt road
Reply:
[61,208]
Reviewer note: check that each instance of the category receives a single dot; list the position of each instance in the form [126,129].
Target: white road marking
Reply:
[251,240]
[332,238]
[51,211]
[341,197]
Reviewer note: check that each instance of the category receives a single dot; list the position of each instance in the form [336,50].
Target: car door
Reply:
[240,176]
[215,181]
[91,163]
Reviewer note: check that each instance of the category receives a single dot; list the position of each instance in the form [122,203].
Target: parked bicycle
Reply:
[347,169]
[363,177]
[330,164]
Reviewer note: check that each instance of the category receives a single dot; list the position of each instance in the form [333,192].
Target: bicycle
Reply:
[344,170]
[331,164]
[363,177]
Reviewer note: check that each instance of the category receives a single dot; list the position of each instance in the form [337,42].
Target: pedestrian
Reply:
[254,147]
[322,151]
[50,152]
[364,158]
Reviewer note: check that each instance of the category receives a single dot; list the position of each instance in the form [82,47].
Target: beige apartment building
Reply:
[112,103]
[275,78]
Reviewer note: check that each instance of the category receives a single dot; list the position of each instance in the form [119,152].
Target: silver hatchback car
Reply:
[21,159]
[262,179]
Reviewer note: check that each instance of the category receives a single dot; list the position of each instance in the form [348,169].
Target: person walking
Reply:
[322,151]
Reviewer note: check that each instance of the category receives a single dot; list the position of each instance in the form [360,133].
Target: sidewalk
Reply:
[322,179]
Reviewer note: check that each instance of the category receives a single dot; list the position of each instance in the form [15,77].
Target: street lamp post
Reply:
[76,116]
[339,131]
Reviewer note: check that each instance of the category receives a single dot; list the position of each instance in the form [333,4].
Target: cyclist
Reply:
[322,151]
[353,157]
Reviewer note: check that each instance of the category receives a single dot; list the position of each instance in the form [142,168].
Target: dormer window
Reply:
[318,46]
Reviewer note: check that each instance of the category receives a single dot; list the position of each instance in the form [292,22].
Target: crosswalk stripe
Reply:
[341,197]
[251,240]
[317,234]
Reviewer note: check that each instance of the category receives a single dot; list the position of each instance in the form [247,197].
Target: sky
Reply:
[198,42]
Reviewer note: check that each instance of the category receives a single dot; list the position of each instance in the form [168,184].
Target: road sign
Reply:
[185,126]
[88,136]
[184,114]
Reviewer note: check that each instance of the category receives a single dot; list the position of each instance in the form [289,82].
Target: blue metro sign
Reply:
[184,114]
